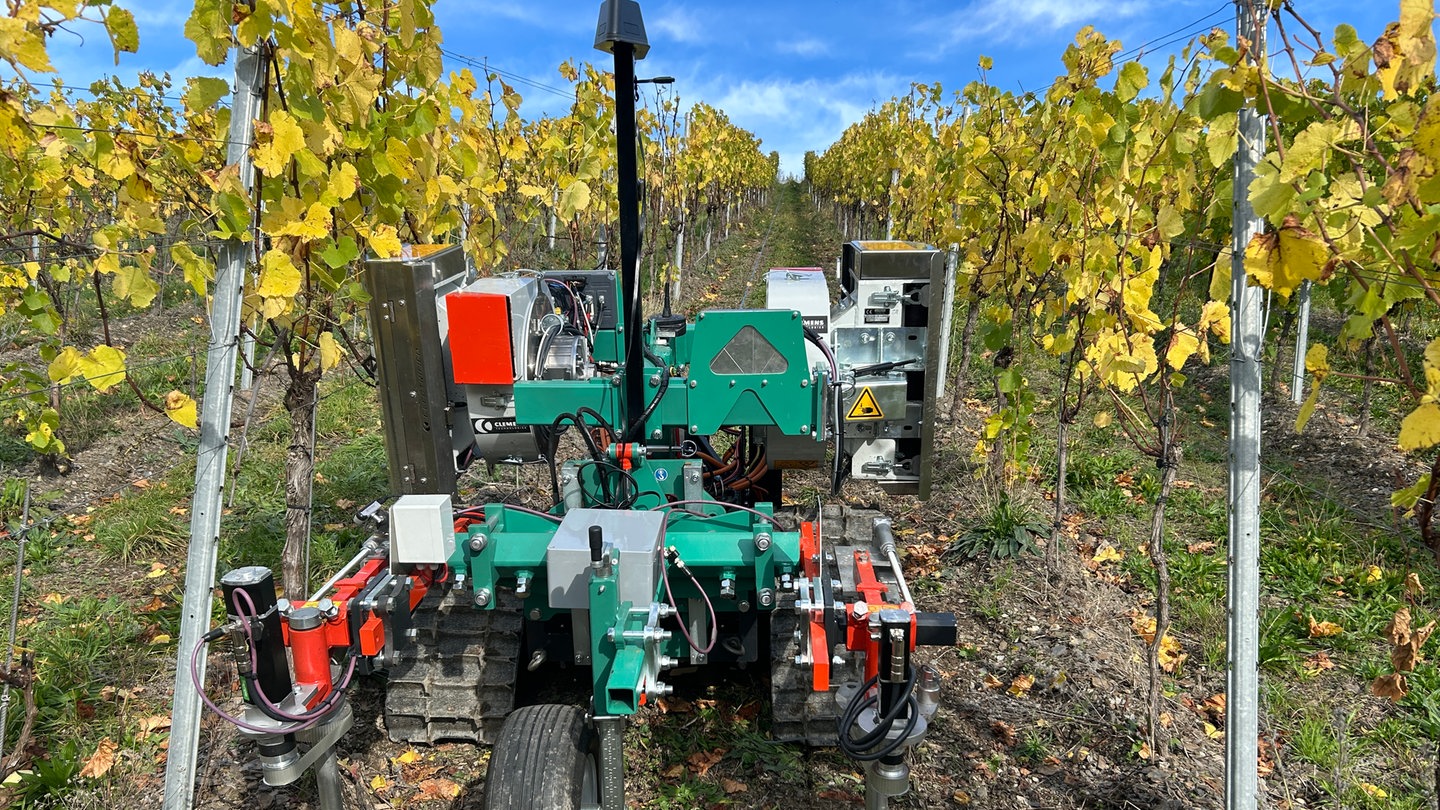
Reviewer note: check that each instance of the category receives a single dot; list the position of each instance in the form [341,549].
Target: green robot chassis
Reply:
[664,550]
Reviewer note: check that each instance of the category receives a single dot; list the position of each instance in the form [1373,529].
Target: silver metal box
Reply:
[422,531]
[631,537]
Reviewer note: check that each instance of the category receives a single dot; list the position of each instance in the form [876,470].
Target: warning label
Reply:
[865,406]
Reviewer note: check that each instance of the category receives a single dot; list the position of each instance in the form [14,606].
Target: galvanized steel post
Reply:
[1246,334]
[220,358]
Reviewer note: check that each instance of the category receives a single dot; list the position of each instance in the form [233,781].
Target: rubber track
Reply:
[457,680]
[797,712]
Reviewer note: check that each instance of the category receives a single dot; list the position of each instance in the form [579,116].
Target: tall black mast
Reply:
[621,32]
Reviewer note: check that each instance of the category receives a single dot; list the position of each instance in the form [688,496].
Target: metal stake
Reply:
[1302,344]
[1243,676]
[14,615]
[220,359]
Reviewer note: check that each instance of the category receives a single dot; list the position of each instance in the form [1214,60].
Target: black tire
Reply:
[545,759]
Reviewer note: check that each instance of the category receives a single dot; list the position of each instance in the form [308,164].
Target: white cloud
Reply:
[1017,20]
[793,116]
[677,25]
[806,46]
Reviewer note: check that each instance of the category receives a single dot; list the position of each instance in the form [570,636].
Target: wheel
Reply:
[545,759]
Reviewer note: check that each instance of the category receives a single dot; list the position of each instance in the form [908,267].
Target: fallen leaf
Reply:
[410,755]
[1021,685]
[379,784]
[1004,732]
[1374,790]
[163,638]
[732,786]
[1373,574]
[1107,553]
[1393,686]
[155,722]
[437,790]
[702,761]
[344,503]
[1318,663]
[101,761]
[1212,731]
[1202,547]
[1412,585]
[141,483]
[674,771]
[992,682]
[1324,629]
[54,599]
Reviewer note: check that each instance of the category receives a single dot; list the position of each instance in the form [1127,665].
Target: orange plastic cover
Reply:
[480,338]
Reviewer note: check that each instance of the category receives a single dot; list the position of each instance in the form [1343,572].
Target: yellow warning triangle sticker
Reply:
[865,407]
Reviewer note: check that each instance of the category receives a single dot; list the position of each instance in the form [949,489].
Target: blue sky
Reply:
[794,73]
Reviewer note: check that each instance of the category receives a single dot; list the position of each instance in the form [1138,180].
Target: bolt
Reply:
[767,597]
[804,383]
[694,428]
[744,606]
[860,609]
[762,542]
[727,588]
[477,543]
[579,658]
[535,614]
[764,383]
[654,380]
[666,662]
[692,476]
[655,434]
[692,383]
[412,633]
[482,597]
[805,428]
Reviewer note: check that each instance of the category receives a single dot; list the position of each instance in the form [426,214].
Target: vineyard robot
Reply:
[665,550]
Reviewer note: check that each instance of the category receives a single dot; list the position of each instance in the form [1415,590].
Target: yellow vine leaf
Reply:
[180,407]
[329,351]
[1421,428]
[133,283]
[1103,419]
[285,139]
[279,282]
[199,271]
[1183,344]
[574,199]
[384,241]
[103,367]
[1215,317]
[1280,261]
[23,45]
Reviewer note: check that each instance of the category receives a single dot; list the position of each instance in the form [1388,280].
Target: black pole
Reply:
[625,162]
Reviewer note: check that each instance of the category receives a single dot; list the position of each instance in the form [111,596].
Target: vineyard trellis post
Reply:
[210,462]
[1302,343]
[1243,594]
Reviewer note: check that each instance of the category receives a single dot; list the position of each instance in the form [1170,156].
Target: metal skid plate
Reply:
[424,433]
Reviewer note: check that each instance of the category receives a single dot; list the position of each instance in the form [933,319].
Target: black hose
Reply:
[858,748]
[638,426]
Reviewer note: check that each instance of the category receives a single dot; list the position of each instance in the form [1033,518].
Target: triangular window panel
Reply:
[749,353]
